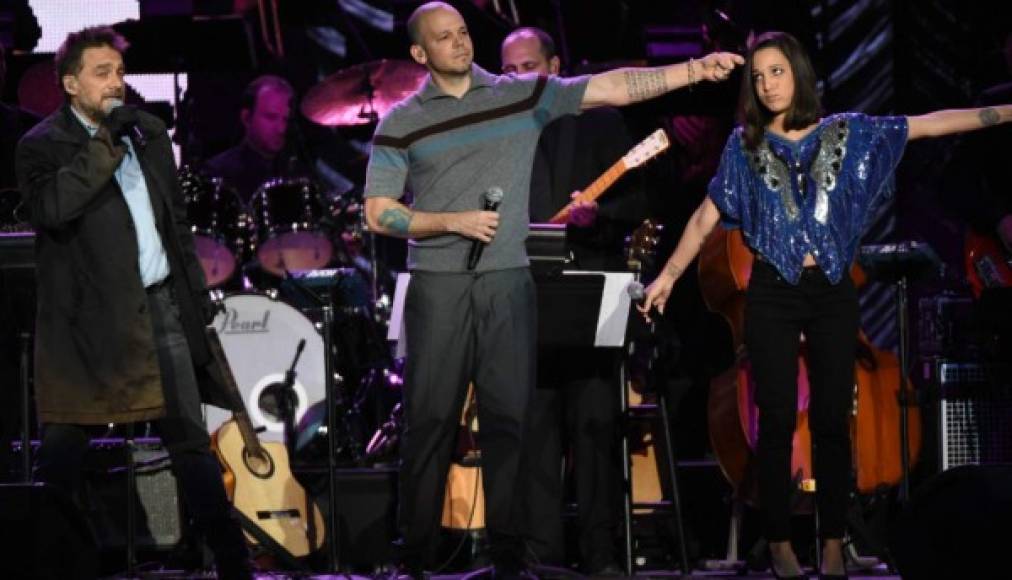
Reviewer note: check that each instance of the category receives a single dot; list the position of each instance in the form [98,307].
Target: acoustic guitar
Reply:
[258,478]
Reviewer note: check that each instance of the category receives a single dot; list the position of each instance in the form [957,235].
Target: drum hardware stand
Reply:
[131,511]
[897,264]
[328,368]
[26,406]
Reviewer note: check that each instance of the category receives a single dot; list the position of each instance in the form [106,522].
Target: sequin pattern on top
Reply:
[811,196]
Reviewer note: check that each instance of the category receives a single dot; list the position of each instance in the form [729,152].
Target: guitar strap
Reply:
[287,559]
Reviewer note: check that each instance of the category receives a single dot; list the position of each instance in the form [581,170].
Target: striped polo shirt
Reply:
[447,152]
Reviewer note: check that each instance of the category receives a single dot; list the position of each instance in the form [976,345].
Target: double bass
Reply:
[725,265]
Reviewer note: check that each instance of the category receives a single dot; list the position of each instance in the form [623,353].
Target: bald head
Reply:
[440,40]
[529,50]
[415,20]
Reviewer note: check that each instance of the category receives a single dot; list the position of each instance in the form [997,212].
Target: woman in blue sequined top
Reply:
[801,187]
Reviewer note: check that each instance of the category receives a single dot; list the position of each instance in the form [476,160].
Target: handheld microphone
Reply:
[132,130]
[636,291]
[492,197]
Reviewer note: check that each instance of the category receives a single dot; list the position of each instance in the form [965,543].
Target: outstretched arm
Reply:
[700,225]
[388,216]
[624,86]
[952,121]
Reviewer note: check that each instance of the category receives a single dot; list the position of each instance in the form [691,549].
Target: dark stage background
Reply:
[191,61]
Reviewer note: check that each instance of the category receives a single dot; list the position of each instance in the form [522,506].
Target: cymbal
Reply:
[361,94]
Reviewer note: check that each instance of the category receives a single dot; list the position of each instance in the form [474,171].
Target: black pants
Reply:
[462,328]
[61,456]
[776,315]
[575,408]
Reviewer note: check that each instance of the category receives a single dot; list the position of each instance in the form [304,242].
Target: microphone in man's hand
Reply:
[492,197]
[130,130]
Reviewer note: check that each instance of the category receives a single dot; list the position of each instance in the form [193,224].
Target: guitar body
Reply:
[987,265]
[264,490]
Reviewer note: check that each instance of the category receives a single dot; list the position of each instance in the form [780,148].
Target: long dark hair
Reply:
[805,107]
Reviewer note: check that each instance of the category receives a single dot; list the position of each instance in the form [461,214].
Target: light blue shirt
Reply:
[153,263]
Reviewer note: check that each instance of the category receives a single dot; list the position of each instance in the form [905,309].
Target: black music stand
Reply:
[899,264]
[570,308]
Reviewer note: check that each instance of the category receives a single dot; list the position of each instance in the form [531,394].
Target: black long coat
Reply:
[95,358]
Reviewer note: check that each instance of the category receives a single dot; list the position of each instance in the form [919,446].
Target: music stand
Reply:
[898,264]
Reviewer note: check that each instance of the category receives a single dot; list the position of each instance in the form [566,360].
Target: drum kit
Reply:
[266,258]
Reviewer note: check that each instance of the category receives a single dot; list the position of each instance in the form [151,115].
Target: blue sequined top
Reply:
[811,196]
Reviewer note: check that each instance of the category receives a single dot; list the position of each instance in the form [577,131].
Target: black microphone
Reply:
[492,197]
[133,131]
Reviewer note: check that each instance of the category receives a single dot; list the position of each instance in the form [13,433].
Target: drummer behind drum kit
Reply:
[289,229]
[284,231]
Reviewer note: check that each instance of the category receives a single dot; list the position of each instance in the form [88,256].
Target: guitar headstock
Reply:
[641,245]
[655,144]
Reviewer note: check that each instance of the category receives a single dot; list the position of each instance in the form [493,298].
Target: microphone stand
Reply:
[333,561]
[288,401]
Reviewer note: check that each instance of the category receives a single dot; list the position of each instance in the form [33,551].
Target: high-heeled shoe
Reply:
[776,575]
[801,576]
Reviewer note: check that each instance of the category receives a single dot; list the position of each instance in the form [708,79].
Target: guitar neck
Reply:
[239,414]
[593,191]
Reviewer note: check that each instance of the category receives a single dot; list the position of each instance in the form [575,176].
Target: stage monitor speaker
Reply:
[159,523]
[45,536]
[974,415]
[956,525]
[366,514]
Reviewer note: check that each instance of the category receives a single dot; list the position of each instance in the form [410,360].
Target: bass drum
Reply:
[260,336]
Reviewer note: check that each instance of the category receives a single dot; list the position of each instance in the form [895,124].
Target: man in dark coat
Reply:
[121,296]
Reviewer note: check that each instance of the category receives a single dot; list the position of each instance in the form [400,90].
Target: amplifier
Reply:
[159,524]
[974,414]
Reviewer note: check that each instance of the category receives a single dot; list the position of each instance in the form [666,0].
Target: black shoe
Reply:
[843,576]
[401,572]
[501,573]
[609,570]
[523,573]
[801,576]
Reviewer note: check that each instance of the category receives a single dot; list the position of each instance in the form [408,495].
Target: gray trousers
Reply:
[462,328]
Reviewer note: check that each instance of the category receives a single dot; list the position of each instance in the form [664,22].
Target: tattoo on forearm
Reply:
[645,84]
[396,220]
[989,116]
[674,270]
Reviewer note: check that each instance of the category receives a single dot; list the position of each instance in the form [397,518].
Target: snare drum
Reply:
[287,215]
[219,223]
[260,336]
